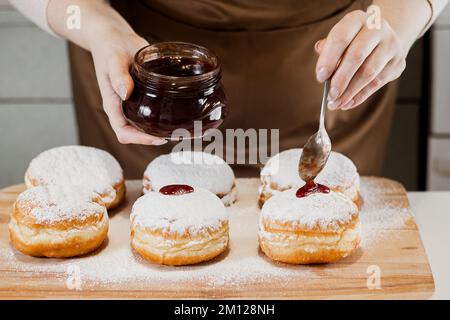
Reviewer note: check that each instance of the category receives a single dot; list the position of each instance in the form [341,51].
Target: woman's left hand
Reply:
[360,60]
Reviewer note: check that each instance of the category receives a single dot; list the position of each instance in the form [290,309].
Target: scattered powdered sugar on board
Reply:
[378,217]
[240,268]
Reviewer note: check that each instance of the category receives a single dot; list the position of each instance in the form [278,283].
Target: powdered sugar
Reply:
[115,266]
[197,169]
[282,169]
[53,204]
[91,168]
[378,217]
[327,211]
[191,212]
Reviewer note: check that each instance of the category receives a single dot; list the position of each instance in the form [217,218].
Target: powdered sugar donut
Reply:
[181,228]
[319,228]
[93,169]
[198,169]
[281,173]
[58,221]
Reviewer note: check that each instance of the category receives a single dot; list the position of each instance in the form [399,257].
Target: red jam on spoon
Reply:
[176,189]
[311,187]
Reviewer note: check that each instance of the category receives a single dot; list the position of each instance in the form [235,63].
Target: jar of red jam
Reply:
[175,84]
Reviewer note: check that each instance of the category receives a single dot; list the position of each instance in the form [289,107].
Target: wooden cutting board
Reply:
[390,263]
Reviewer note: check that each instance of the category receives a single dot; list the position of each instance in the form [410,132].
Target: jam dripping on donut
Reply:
[176,189]
[311,187]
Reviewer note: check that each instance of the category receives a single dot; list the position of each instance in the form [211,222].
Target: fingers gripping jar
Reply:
[175,84]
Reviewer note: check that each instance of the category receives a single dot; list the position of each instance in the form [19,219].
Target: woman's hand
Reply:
[113,43]
[113,52]
[360,60]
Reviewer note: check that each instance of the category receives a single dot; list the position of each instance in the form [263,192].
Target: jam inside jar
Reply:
[175,84]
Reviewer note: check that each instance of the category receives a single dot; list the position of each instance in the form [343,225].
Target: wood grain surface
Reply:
[396,252]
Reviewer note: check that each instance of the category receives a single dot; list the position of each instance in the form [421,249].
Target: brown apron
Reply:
[268,61]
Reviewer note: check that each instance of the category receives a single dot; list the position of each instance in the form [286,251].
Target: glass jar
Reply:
[175,84]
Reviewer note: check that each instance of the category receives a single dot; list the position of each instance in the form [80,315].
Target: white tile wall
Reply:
[444,18]
[439,141]
[440,101]
[36,111]
[439,164]
[33,64]
[27,130]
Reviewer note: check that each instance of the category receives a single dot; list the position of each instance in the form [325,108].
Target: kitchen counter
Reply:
[431,211]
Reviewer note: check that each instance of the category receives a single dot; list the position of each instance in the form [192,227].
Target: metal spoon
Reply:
[318,147]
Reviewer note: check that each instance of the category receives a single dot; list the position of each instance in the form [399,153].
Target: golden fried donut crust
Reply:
[72,231]
[70,248]
[300,256]
[323,252]
[121,191]
[188,249]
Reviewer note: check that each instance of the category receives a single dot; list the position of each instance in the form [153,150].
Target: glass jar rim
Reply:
[157,50]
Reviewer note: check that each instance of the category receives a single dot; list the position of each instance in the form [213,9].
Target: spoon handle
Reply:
[326,89]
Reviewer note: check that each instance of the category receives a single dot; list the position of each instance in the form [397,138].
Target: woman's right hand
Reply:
[113,51]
